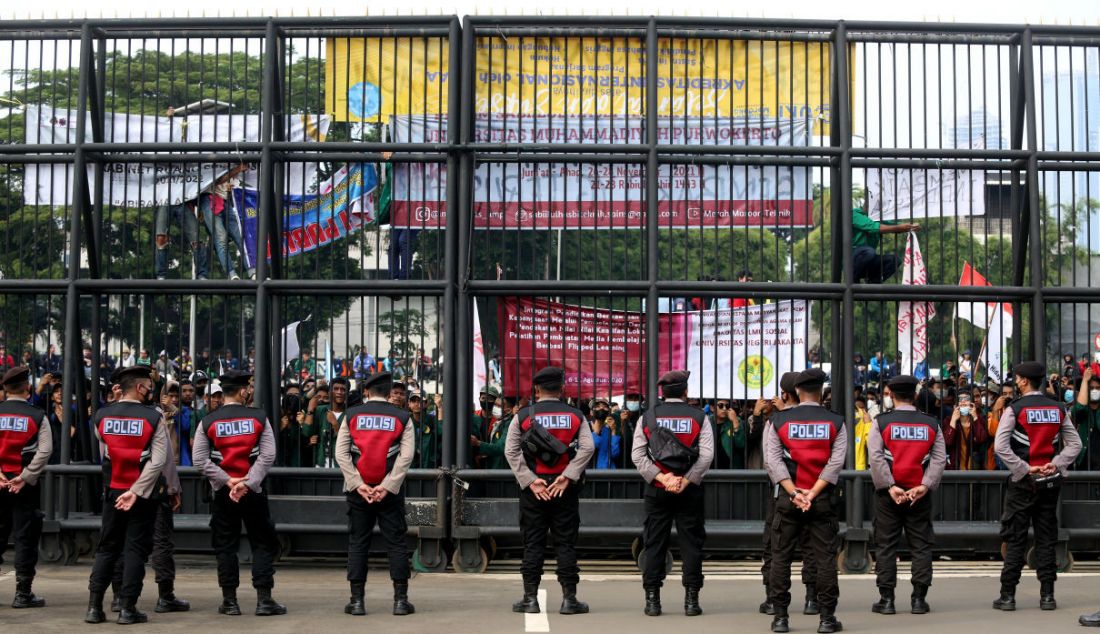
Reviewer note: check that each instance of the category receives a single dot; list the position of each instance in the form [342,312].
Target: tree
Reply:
[404,327]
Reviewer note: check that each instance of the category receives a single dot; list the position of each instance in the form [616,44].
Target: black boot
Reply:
[1007,601]
[95,608]
[266,606]
[401,605]
[828,623]
[167,601]
[885,603]
[691,602]
[1090,620]
[530,602]
[780,622]
[919,605]
[129,614]
[569,603]
[766,606]
[116,603]
[24,597]
[355,606]
[229,604]
[1046,596]
[811,600]
[653,602]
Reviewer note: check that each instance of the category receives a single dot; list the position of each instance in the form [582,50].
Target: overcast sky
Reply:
[1004,11]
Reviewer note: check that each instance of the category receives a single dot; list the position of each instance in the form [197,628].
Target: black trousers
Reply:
[226,518]
[1024,507]
[890,519]
[686,510]
[21,515]
[162,558]
[787,526]
[561,517]
[125,534]
[809,564]
[389,514]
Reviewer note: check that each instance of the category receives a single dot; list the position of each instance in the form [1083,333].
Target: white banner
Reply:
[904,194]
[996,347]
[153,184]
[741,353]
[913,316]
[608,196]
[481,378]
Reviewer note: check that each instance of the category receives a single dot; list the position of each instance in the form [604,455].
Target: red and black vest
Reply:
[907,439]
[807,435]
[127,430]
[234,432]
[563,421]
[1038,429]
[684,421]
[375,428]
[19,425]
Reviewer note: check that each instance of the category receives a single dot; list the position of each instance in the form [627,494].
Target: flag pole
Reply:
[981,355]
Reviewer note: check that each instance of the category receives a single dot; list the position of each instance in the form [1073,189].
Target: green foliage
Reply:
[405,327]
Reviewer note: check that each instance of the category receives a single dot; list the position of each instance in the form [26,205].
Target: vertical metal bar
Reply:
[456,105]
[1015,198]
[1033,225]
[458,406]
[266,390]
[651,221]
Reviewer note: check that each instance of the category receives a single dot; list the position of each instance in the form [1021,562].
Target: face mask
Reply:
[938,393]
[633,406]
[1094,395]
[498,412]
[1068,395]
[486,405]
[888,402]
[599,414]
[964,411]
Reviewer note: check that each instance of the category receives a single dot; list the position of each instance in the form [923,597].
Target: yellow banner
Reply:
[372,79]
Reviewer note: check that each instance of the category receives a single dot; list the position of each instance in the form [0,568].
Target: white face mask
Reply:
[633,406]
[1094,395]
[497,411]
[888,402]
[964,411]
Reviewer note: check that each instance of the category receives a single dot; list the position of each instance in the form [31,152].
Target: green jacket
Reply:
[1085,419]
[733,442]
[493,449]
[429,442]
[326,434]
[865,232]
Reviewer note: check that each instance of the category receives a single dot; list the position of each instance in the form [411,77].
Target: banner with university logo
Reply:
[140,185]
[345,202]
[371,79]
[608,196]
[904,194]
[734,353]
[913,317]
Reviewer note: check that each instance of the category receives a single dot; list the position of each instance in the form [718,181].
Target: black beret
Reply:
[549,376]
[136,371]
[1030,370]
[235,378]
[812,377]
[904,383]
[787,382]
[378,378]
[16,375]
[674,377]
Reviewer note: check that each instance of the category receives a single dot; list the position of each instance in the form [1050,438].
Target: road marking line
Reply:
[538,622]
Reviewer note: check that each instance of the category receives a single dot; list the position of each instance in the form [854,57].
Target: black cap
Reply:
[787,382]
[903,384]
[378,378]
[235,378]
[549,376]
[810,378]
[1030,370]
[136,371]
[16,375]
[674,378]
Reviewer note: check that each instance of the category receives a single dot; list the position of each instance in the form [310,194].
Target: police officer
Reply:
[673,449]
[134,444]
[547,451]
[374,450]
[25,445]
[804,450]
[786,399]
[907,458]
[1029,435]
[234,448]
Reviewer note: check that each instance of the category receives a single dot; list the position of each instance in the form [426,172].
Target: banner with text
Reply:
[371,79]
[736,353]
[608,196]
[138,185]
[904,194]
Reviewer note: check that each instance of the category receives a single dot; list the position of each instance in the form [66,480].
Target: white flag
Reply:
[289,342]
[1000,328]
[913,316]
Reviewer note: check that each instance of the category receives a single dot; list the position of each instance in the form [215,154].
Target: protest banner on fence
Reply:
[734,353]
[904,194]
[609,196]
[138,185]
[913,316]
[371,79]
[345,202]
